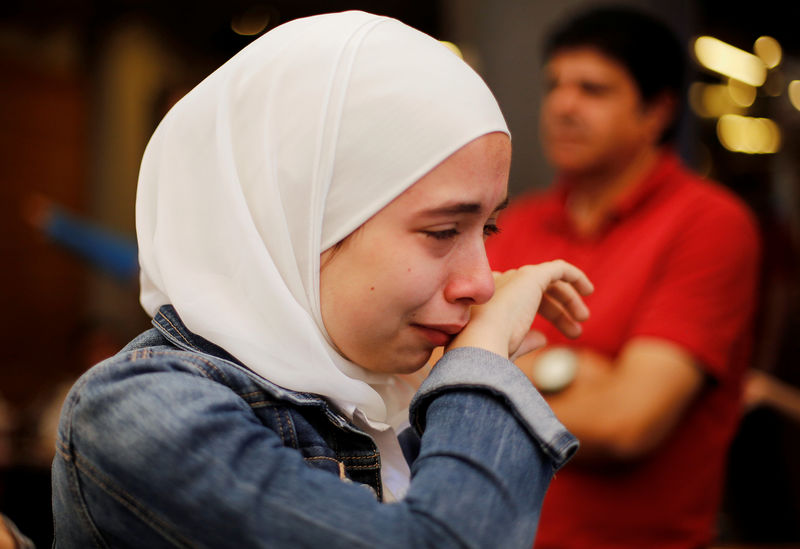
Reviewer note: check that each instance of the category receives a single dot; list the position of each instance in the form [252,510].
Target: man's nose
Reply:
[561,99]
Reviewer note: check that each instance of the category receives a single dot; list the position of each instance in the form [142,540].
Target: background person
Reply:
[657,372]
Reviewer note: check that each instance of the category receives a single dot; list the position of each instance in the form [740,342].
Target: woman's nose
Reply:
[471,280]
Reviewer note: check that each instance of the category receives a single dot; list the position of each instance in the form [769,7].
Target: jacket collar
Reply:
[170,325]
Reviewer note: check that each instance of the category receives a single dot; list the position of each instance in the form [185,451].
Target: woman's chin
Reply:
[413,362]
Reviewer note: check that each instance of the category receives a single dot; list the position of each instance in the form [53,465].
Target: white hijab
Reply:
[278,155]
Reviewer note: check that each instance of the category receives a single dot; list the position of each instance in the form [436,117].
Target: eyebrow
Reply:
[463,208]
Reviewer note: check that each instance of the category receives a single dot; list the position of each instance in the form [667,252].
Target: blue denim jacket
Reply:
[173,443]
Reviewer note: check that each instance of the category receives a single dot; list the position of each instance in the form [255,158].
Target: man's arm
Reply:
[11,537]
[621,411]
[763,389]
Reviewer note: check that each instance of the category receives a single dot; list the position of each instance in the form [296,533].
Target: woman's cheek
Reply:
[423,283]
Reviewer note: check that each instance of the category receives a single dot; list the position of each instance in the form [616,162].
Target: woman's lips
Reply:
[439,335]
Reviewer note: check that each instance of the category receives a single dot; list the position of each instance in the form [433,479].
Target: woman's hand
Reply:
[502,325]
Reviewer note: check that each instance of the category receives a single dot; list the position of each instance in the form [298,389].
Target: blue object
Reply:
[113,253]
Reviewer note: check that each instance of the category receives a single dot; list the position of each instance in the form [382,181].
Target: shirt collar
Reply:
[629,202]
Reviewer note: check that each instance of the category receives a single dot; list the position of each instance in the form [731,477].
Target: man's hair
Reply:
[644,45]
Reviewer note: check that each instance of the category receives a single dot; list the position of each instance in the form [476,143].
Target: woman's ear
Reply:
[327,256]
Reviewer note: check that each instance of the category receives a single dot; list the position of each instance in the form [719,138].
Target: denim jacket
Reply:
[173,443]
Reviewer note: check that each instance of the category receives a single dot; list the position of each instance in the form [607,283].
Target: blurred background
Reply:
[84,83]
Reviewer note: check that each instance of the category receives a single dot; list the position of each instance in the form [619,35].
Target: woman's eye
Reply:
[490,229]
[443,234]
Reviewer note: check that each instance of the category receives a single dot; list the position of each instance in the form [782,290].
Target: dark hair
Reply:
[644,45]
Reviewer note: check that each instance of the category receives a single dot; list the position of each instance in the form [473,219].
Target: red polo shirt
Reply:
[677,259]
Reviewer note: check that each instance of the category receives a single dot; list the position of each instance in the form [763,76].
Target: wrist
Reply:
[481,341]
[554,369]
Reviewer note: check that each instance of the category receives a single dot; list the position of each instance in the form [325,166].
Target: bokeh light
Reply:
[730,61]
[712,100]
[768,50]
[452,47]
[794,93]
[254,20]
[749,135]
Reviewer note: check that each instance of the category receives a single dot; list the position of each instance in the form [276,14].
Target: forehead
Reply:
[475,173]
[472,182]
[587,63]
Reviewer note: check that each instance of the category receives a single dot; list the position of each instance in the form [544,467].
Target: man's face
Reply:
[592,116]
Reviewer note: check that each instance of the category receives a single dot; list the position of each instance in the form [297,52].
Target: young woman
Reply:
[311,222]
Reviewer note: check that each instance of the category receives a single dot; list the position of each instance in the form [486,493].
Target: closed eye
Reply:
[594,88]
[443,234]
[490,229]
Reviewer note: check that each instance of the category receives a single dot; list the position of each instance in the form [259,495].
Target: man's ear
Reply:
[659,114]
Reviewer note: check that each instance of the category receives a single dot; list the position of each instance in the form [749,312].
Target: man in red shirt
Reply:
[652,386]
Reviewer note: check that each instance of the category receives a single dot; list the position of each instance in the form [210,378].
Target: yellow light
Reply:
[748,135]
[712,100]
[768,49]
[794,93]
[452,47]
[730,61]
[252,21]
[741,93]
[729,132]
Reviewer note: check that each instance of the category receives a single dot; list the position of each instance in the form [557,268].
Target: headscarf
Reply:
[276,156]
